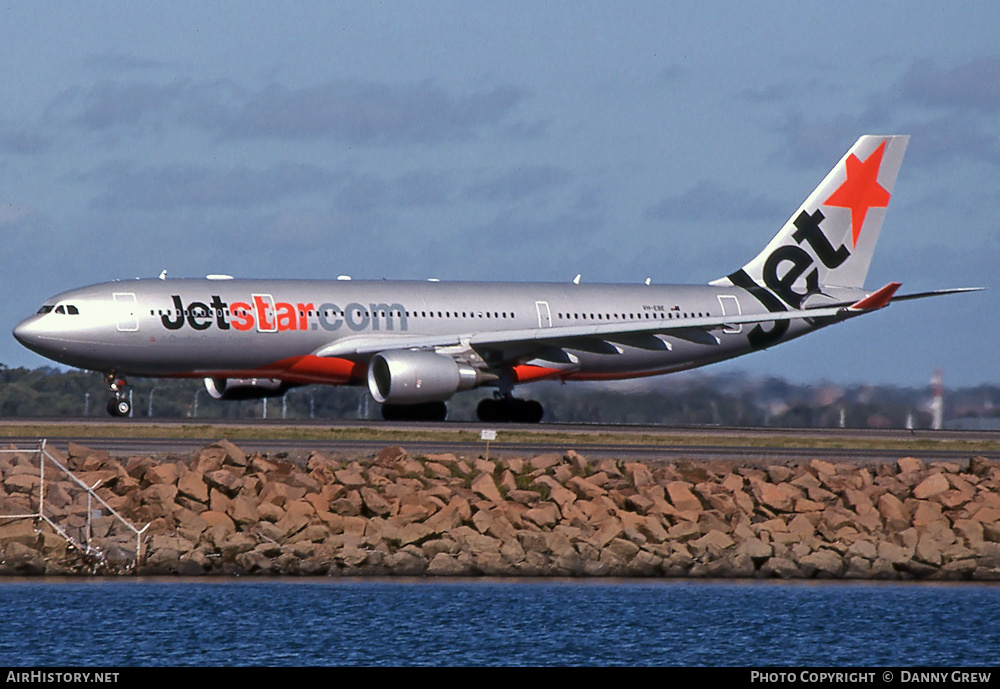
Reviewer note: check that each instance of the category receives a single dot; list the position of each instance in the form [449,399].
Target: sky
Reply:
[504,141]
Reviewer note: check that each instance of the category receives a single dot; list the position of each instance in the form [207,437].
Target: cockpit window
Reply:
[46,308]
[60,309]
[72,310]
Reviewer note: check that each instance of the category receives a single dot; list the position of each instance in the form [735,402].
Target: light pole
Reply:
[284,403]
[149,409]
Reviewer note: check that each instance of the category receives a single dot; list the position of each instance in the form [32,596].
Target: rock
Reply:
[713,543]
[213,519]
[375,503]
[349,505]
[545,515]
[351,478]
[494,523]
[909,465]
[981,466]
[160,499]
[927,513]
[780,497]
[192,485]
[577,461]
[243,511]
[935,484]
[223,480]
[822,469]
[639,474]
[640,503]
[610,467]
[233,455]
[781,568]
[825,563]
[680,496]
[390,456]
[557,492]
[27,484]
[444,565]
[409,561]
[585,488]
[545,461]
[893,512]
[756,549]
[163,472]
[777,473]
[22,559]
[484,485]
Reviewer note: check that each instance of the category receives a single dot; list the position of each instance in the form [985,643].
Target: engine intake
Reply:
[414,377]
[245,388]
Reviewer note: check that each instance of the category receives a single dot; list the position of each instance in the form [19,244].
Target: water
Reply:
[324,622]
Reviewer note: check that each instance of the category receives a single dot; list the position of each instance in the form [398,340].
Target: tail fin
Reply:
[830,239]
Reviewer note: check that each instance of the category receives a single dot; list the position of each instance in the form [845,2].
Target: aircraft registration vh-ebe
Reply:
[415,344]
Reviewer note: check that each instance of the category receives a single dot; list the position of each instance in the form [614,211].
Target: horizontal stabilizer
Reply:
[877,299]
[937,293]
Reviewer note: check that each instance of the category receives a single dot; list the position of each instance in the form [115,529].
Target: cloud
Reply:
[974,85]
[365,112]
[12,214]
[954,135]
[423,188]
[22,139]
[710,201]
[951,113]
[817,143]
[120,62]
[671,75]
[172,186]
[521,182]
[363,193]
[367,192]
[110,104]
[345,110]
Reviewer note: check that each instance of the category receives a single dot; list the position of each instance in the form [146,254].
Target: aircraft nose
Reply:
[26,332]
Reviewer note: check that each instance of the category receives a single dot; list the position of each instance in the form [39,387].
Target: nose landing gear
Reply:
[119,404]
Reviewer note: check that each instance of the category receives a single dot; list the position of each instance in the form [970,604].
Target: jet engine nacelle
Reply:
[245,388]
[413,377]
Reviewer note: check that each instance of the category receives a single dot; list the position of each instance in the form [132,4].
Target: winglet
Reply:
[875,300]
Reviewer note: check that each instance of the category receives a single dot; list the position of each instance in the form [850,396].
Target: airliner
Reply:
[416,344]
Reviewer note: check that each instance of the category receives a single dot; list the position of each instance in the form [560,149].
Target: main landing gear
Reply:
[506,408]
[428,411]
[119,404]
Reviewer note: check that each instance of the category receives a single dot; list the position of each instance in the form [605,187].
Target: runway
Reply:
[297,439]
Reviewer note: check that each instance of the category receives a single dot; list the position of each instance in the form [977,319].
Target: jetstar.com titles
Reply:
[263,314]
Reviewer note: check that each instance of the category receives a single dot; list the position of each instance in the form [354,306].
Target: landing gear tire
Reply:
[119,404]
[119,407]
[508,410]
[429,411]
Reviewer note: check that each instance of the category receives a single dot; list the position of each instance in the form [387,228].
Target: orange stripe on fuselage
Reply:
[304,370]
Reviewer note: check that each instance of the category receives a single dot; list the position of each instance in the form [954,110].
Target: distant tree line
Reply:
[681,399]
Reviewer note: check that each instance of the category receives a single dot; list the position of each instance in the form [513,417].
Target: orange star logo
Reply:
[861,190]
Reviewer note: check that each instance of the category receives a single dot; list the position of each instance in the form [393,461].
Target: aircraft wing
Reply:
[599,337]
